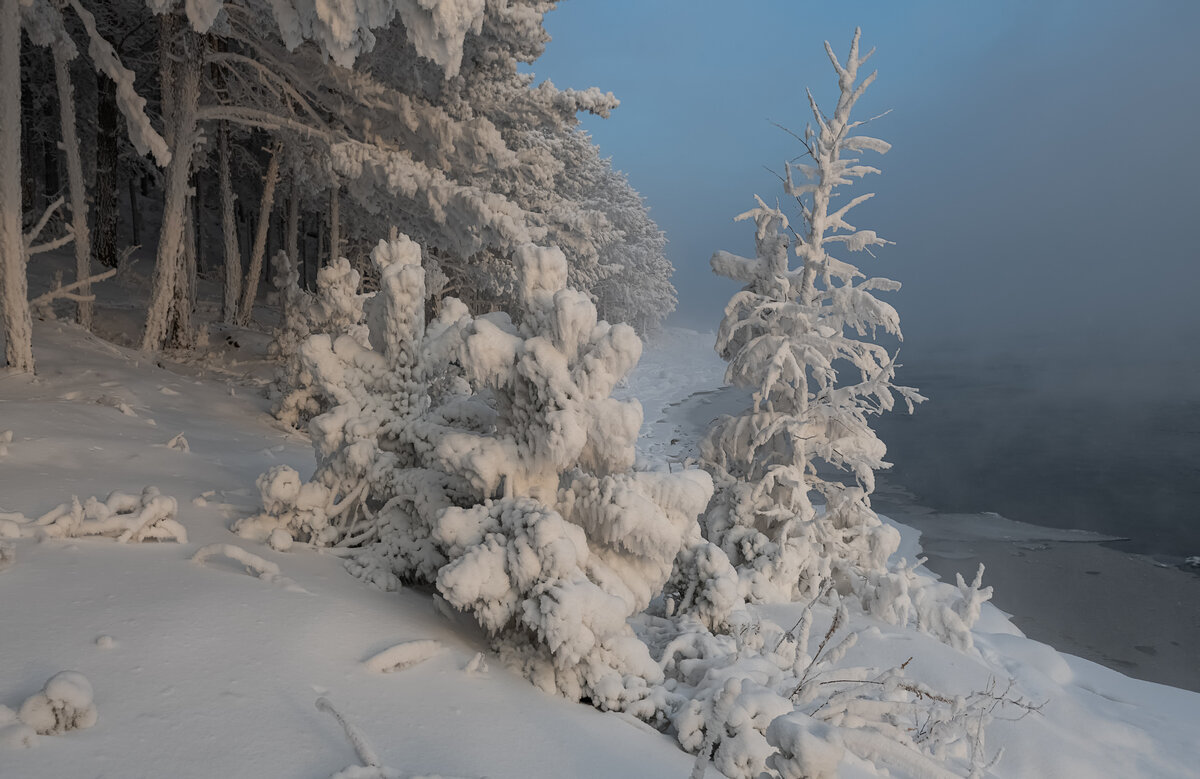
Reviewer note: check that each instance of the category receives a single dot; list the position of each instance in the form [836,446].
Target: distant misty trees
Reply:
[312,129]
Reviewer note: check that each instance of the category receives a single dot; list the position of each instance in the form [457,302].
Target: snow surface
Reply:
[200,670]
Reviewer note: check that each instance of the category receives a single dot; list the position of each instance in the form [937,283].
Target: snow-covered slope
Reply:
[200,670]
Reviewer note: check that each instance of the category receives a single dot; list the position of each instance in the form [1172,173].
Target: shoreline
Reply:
[1070,590]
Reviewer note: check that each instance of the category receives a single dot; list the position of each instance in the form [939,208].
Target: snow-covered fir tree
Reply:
[509,485]
[796,470]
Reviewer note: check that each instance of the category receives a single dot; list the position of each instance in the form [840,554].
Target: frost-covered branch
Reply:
[132,105]
[125,517]
[68,290]
[42,221]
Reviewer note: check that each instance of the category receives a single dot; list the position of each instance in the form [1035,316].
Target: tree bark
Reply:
[79,209]
[250,291]
[183,335]
[14,290]
[233,253]
[180,72]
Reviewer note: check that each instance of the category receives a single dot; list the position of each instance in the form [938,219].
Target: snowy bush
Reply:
[376,415]
[487,457]
[65,703]
[573,543]
[335,310]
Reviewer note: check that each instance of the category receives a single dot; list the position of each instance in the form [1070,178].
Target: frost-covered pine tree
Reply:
[509,486]
[569,542]
[796,470]
[366,389]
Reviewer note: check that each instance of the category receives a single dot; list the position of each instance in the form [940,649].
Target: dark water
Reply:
[1056,445]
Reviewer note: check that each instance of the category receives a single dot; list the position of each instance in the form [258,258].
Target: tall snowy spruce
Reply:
[796,470]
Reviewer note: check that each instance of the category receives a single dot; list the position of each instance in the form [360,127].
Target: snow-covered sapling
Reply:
[797,469]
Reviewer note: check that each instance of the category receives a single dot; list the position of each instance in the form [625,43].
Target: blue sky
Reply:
[1041,183]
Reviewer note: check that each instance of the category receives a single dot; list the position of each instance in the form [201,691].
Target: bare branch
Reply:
[68,291]
[804,141]
[50,246]
[265,120]
[32,235]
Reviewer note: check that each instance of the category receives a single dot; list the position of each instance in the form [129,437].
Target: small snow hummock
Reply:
[404,655]
[15,734]
[64,704]
[280,540]
[477,665]
[255,565]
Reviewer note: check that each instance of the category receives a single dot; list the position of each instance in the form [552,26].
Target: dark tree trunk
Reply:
[50,180]
[29,145]
[107,129]
[135,218]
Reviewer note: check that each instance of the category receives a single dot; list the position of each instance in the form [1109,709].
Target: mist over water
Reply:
[1052,437]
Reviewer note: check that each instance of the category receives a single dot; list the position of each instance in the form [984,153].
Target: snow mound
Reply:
[14,734]
[64,704]
[404,655]
[255,565]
